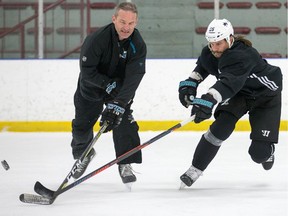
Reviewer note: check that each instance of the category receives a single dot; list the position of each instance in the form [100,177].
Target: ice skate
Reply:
[82,166]
[127,175]
[267,165]
[190,176]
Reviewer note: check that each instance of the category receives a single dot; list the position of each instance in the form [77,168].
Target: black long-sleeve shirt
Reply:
[241,70]
[104,57]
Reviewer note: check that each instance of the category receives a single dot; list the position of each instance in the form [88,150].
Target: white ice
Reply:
[232,185]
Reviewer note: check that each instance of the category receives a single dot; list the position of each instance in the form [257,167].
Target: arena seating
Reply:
[268,5]
[208,5]
[103,5]
[46,30]
[267,30]
[90,6]
[2,30]
[14,5]
[72,5]
[271,55]
[74,22]
[237,30]
[69,30]
[239,5]
[248,19]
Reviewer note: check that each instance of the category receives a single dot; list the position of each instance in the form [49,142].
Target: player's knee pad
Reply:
[224,125]
[212,139]
[260,151]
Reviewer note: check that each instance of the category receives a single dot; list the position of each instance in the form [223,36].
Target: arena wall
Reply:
[37,95]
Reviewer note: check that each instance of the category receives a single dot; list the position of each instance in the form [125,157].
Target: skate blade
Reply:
[182,186]
[128,186]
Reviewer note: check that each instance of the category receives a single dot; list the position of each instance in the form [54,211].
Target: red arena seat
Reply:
[71,5]
[267,30]
[286,30]
[271,55]
[45,5]
[242,30]
[268,5]
[200,30]
[239,5]
[2,30]
[237,30]
[47,30]
[208,5]
[69,30]
[15,5]
[93,29]
[103,5]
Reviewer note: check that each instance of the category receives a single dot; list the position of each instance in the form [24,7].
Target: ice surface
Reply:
[232,185]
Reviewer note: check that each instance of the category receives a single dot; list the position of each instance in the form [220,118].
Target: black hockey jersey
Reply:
[241,70]
[104,57]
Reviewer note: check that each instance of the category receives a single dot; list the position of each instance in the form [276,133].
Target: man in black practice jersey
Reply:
[246,83]
[112,64]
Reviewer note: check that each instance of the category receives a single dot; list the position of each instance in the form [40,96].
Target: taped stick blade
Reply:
[35,199]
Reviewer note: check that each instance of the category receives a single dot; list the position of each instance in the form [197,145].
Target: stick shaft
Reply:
[124,156]
[84,154]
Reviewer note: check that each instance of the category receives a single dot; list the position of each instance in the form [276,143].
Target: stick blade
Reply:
[35,199]
[43,191]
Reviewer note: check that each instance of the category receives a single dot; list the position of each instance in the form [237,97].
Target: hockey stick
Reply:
[49,196]
[76,164]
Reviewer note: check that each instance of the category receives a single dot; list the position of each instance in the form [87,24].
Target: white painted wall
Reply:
[42,90]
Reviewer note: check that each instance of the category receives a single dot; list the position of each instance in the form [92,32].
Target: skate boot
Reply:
[82,165]
[267,165]
[190,176]
[127,175]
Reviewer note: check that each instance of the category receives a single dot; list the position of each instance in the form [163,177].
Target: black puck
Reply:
[5,165]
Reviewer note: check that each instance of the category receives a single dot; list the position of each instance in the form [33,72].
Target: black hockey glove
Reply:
[112,114]
[202,107]
[112,87]
[187,91]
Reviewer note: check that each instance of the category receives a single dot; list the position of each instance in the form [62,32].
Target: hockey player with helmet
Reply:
[112,65]
[246,83]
